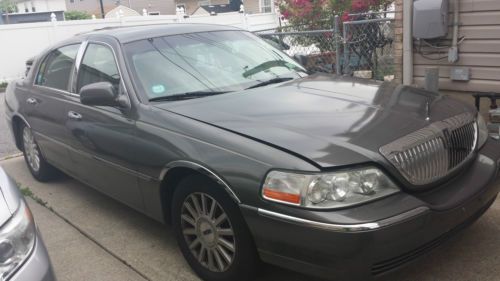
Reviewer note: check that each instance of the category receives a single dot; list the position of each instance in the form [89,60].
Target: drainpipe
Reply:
[407,42]
[453,53]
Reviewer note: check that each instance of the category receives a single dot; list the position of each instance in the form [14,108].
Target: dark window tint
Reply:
[57,67]
[98,65]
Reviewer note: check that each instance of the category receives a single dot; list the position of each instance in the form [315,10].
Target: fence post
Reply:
[346,49]
[337,46]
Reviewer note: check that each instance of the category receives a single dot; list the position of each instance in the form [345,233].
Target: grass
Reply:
[26,192]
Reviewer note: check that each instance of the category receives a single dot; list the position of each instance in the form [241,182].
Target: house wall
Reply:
[480,51]
[193,5]
[251,6]
[165,7]
[41,6]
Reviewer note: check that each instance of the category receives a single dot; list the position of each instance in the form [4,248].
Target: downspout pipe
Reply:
[453,53]
[407,42]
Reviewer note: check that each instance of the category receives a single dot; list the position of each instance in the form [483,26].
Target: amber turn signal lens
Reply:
[281,196]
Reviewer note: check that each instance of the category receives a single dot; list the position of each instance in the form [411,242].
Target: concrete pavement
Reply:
[75,257]
[93,237]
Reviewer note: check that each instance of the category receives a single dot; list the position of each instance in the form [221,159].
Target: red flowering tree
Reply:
[314,14]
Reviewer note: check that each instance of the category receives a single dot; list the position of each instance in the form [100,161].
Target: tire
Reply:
[38,166]
[212,232]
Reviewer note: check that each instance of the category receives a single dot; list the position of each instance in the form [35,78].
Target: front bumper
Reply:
[374,239]
[37,267]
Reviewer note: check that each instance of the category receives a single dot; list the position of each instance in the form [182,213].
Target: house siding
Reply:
[479,22]
[165,7]
[251,6]
[193,5]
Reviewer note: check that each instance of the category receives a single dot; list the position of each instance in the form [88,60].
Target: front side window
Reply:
[55,70]
[221,61]
[98,65]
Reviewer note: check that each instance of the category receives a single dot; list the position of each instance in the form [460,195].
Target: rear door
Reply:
[102,136]
[45,104]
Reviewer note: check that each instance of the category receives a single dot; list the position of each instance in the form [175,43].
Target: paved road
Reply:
[7,146]
[93,237]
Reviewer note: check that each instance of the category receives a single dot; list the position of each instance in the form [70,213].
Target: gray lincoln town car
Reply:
[249,157]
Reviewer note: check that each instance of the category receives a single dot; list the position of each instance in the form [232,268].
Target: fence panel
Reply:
[316,49]
[368,48]
[22,41]
[364,48]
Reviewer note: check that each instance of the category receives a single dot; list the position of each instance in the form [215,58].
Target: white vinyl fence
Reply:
[19,42]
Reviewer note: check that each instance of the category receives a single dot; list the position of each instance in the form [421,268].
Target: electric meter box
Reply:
[430,19]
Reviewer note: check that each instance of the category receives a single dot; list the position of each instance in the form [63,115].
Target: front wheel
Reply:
[211,232]
[37,165]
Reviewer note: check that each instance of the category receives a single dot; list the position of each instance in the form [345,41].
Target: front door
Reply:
[102,136]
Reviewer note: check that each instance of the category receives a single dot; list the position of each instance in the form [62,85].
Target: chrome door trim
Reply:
[344,227]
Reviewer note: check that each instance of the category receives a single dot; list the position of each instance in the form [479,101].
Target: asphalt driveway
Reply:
[93,237]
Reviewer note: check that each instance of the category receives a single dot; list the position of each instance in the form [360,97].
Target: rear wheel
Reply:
[37,165]
[211,232]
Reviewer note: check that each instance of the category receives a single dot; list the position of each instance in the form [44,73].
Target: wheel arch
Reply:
[17,121]
[175,172]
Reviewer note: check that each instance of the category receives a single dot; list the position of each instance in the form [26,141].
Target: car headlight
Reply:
[328,190]
[483,132]
[17,238]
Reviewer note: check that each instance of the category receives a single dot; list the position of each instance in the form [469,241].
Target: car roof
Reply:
[134,33]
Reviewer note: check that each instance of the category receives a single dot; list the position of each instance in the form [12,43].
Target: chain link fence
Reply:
[362,48]
[368,48]
[315,49]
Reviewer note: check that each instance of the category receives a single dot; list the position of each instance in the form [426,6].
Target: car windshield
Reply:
[199,64]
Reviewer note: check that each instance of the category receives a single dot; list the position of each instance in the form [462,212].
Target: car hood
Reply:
[9,197]
[327,120]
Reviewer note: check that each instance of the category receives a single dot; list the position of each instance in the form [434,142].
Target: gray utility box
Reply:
[430,19]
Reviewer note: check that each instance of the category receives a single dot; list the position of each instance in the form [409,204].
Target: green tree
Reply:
[77,15]
[7,6]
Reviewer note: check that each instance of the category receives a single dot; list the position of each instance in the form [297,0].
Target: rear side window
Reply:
[98,65]
[56,69]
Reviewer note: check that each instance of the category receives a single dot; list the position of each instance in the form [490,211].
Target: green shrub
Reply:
[77,15]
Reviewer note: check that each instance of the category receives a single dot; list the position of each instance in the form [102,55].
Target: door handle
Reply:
[32,101]
[74,115]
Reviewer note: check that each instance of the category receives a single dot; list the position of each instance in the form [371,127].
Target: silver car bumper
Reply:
[37,267]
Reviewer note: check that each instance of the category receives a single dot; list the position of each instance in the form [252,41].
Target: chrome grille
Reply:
[433,152]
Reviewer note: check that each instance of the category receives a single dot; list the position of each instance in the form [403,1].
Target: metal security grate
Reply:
[435,151]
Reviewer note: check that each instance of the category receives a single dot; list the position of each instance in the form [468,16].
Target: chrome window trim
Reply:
[115,57]
[58,91]
[346,228]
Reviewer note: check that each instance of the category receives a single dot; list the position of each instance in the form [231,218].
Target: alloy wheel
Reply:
[31,149]
[208,232]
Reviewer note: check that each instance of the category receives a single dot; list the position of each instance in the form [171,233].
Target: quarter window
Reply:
[98,65]
[57,67]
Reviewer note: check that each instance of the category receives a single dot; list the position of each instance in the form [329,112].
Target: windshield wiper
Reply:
[188,95]
[270,81]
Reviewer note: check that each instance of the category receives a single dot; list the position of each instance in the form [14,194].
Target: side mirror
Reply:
[101,94]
